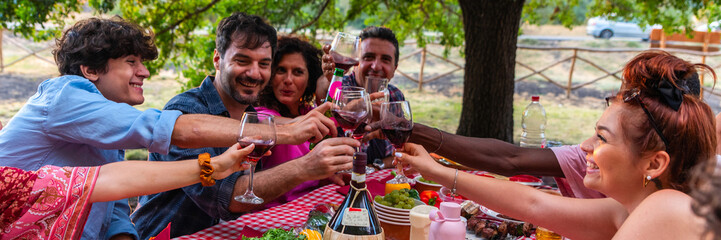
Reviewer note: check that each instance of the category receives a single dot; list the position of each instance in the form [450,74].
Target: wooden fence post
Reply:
[423,63]
[703,61]
[570,74]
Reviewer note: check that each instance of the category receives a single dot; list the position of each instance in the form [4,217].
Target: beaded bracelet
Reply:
[441,143]
[206,170]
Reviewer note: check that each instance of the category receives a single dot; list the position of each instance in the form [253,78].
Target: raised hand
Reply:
[309,127]
[416,157]
[328,63]
[231,161]
[328,157]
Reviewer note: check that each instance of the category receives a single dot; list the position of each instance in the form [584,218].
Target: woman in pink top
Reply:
[296,68]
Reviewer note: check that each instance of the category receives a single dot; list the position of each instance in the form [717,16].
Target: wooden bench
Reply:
[701,41]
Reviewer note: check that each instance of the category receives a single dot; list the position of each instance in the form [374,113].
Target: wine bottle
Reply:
[335,85]
[356,217]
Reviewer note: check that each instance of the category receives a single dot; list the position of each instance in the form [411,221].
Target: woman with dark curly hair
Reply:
[295,71]
[641,156]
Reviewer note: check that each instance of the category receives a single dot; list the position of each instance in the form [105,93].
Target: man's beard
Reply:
[237,96]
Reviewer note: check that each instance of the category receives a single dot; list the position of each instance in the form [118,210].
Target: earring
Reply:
[646,180]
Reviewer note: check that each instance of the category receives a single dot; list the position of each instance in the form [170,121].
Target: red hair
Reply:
[690,131]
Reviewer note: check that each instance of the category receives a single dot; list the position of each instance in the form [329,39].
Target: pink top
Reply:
[573,163]
[283,153]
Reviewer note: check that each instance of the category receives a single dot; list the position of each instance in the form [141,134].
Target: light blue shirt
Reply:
[68,122]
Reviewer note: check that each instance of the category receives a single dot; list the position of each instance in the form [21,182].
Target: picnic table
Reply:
[289,215]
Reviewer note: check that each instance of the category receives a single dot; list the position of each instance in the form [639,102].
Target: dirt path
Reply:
[18,87]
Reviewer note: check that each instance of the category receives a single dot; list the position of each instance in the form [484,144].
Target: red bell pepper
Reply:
[431,198]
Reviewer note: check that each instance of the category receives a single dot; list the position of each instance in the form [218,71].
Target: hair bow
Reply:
[672,96]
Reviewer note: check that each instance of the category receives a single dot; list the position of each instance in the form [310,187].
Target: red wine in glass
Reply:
[397,124]
[261,147]
[348,120]
[343,62]
[398,137]
[359,131]
[259,129]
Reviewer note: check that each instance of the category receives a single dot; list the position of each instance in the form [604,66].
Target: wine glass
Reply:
[258,129]
[396,122]
[351,109]
[377,84]
[345,50]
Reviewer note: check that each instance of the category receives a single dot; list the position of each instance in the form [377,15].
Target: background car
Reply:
[713,26]
[600,27]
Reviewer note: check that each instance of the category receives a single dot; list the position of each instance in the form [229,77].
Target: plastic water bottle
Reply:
[534,125]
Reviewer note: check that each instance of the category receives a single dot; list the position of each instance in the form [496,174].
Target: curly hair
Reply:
[253,30]
[689,130]
[311,55]
[91,42]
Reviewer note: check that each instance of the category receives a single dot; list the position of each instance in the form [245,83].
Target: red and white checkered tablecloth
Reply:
[286,216]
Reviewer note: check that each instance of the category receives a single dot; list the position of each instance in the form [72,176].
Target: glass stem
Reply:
[250,182]
[399,166]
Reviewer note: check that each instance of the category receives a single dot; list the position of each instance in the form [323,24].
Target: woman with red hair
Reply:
[645,144]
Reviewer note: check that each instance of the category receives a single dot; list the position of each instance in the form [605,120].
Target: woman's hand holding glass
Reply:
[417,158]
[396,121]
[231,161]
[259,130]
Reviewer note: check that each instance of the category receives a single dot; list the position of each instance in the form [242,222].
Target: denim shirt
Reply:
[192,208]
[377,148]
[68,122]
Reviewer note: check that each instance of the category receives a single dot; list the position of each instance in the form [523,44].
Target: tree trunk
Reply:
[491,28]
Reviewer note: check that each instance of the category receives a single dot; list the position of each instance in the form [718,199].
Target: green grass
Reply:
[435,109]
[567,121]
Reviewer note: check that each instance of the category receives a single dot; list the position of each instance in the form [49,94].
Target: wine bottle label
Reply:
[358,177]
[332,90]
[357,217]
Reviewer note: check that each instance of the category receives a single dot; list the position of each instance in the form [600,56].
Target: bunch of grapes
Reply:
[397,199]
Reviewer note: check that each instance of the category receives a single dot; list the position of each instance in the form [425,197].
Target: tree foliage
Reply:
[184,28]
[673,15]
